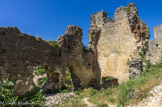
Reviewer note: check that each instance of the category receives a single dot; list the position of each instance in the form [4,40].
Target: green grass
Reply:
[130,92]
[40,70]
[53,44]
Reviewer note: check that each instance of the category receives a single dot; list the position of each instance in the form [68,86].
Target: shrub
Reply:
[68,77]
[143,57]
[54,44]
[109,78]
[6,92]
[35,97]
[40,71]
[127,9]
[41,82]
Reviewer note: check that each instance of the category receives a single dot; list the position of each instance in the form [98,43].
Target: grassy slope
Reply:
[131,92]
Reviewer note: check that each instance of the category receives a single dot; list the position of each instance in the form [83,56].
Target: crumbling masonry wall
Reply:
[117,43]
[154,55]
[20,54]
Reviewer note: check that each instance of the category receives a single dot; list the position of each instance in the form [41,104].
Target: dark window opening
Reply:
[56,77]
[156,45]
[108,82]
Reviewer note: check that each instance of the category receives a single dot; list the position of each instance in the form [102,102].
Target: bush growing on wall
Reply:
[53,44]
[40,71]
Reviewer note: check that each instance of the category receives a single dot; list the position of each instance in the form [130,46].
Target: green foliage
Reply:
[69,84]
[68,77]
[40,71]
[128,62]
[85,48]
[73,102]
[111,99]
[126,92]
[6,92]
[41,82]
[35,97]
[131,91]
[143,57]
[127,9]
[102,105]
[69,88]
[54,44]
[78,92]
[108,91]
[91,35]
[109,78]
[92,91]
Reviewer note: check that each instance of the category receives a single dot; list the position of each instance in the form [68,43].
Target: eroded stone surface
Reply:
[116,41]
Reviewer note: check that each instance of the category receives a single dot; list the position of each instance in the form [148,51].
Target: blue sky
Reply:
[49,18]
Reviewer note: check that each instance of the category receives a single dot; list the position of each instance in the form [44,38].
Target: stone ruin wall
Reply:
[20,54]
[118,41]
[154,55]
[114,47]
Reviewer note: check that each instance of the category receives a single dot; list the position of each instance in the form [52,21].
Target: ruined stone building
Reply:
[155,46]
[114,47]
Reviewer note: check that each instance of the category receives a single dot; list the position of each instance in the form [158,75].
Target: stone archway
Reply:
[55,81]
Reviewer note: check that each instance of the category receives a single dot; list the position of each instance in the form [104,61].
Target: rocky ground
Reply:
[52,99]
[153,100]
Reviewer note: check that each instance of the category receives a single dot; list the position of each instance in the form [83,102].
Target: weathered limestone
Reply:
[117,41]
[154,54]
